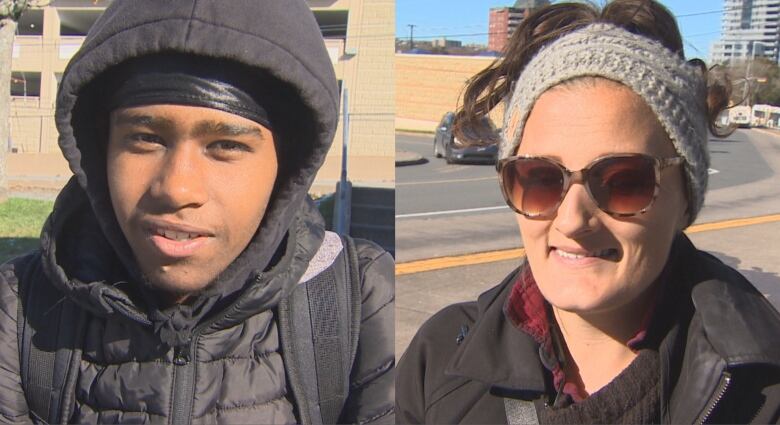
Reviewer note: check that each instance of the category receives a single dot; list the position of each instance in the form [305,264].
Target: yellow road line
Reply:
[430,264]
[456,261]
[728,224]
[474,179]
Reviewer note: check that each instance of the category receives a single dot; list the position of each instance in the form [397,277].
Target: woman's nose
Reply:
[576,215]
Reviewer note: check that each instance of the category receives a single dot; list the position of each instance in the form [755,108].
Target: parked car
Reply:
[446,145]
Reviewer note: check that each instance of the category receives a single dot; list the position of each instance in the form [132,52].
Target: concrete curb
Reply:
[403,158]
[410,131]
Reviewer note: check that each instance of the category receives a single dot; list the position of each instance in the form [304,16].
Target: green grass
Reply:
[20,225]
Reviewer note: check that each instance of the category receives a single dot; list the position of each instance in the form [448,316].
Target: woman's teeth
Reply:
[602,254]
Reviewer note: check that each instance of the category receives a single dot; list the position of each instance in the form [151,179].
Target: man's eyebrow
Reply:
[125,118]
[225,129]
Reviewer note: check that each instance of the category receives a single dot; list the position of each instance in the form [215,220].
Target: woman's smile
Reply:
[580,257]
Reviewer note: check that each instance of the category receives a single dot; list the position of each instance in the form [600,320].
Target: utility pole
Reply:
[747,93]
[411,35]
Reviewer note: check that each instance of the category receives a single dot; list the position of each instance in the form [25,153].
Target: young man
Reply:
[175,259]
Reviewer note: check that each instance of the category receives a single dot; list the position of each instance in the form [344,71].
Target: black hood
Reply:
[278,39]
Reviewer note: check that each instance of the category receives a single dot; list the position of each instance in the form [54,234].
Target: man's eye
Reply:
[229,146]
[144,141]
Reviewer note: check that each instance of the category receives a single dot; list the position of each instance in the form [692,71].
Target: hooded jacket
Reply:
[216,359]
[716,338]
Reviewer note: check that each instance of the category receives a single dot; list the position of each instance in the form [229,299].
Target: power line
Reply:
[685,15]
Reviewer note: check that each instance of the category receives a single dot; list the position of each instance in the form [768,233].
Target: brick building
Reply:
[428,86]
[503,21]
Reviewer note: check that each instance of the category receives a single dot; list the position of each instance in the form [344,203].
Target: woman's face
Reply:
[583,259]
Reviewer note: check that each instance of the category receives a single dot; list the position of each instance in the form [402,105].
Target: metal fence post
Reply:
[343,207]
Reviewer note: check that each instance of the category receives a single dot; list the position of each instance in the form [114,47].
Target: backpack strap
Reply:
[319,327]
[50,329]
[520,412]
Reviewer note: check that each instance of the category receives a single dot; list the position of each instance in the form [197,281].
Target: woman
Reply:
[614,317]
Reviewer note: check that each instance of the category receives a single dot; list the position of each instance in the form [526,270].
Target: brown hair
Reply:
[643,17]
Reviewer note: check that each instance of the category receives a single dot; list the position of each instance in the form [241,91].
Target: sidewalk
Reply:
[37,176]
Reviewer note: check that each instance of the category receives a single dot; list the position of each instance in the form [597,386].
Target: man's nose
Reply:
[182,181]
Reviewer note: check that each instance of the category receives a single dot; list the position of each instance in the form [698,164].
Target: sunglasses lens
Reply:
[623,185]
[532,186]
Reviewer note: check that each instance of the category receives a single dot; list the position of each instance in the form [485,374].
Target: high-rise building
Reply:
[504,20]
[750,28]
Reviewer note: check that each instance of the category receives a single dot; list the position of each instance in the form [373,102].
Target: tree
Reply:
[758,85]
[767,88]
[10,12]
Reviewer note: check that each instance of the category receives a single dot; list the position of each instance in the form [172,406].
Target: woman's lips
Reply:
[579,257]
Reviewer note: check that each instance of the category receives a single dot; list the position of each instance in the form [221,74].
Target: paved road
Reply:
[431,197]
[435,186]
[746,184]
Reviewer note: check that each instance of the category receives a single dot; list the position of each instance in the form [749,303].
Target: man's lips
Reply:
[175,239]
[161,227]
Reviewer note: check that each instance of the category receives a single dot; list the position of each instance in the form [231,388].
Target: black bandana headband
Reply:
[192,81]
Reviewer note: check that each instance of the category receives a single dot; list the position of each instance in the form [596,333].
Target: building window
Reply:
[31,23]
[333,23]
[26,84]
[77,22]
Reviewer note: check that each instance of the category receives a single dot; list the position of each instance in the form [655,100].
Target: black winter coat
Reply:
[720,353]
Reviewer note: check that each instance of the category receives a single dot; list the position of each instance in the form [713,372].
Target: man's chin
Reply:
[176,289]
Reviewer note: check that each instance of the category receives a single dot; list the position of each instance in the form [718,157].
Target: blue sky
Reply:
[454,17]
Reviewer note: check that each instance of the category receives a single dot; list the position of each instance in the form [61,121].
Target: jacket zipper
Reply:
[183,383]
[184,372]
[723,385]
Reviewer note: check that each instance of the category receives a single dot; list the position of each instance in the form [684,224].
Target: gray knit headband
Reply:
[672,88]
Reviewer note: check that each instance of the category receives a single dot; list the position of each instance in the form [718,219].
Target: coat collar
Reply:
[498,365]
[740,323]
[720,323]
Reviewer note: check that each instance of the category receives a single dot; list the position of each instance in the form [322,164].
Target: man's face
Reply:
[189,186]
